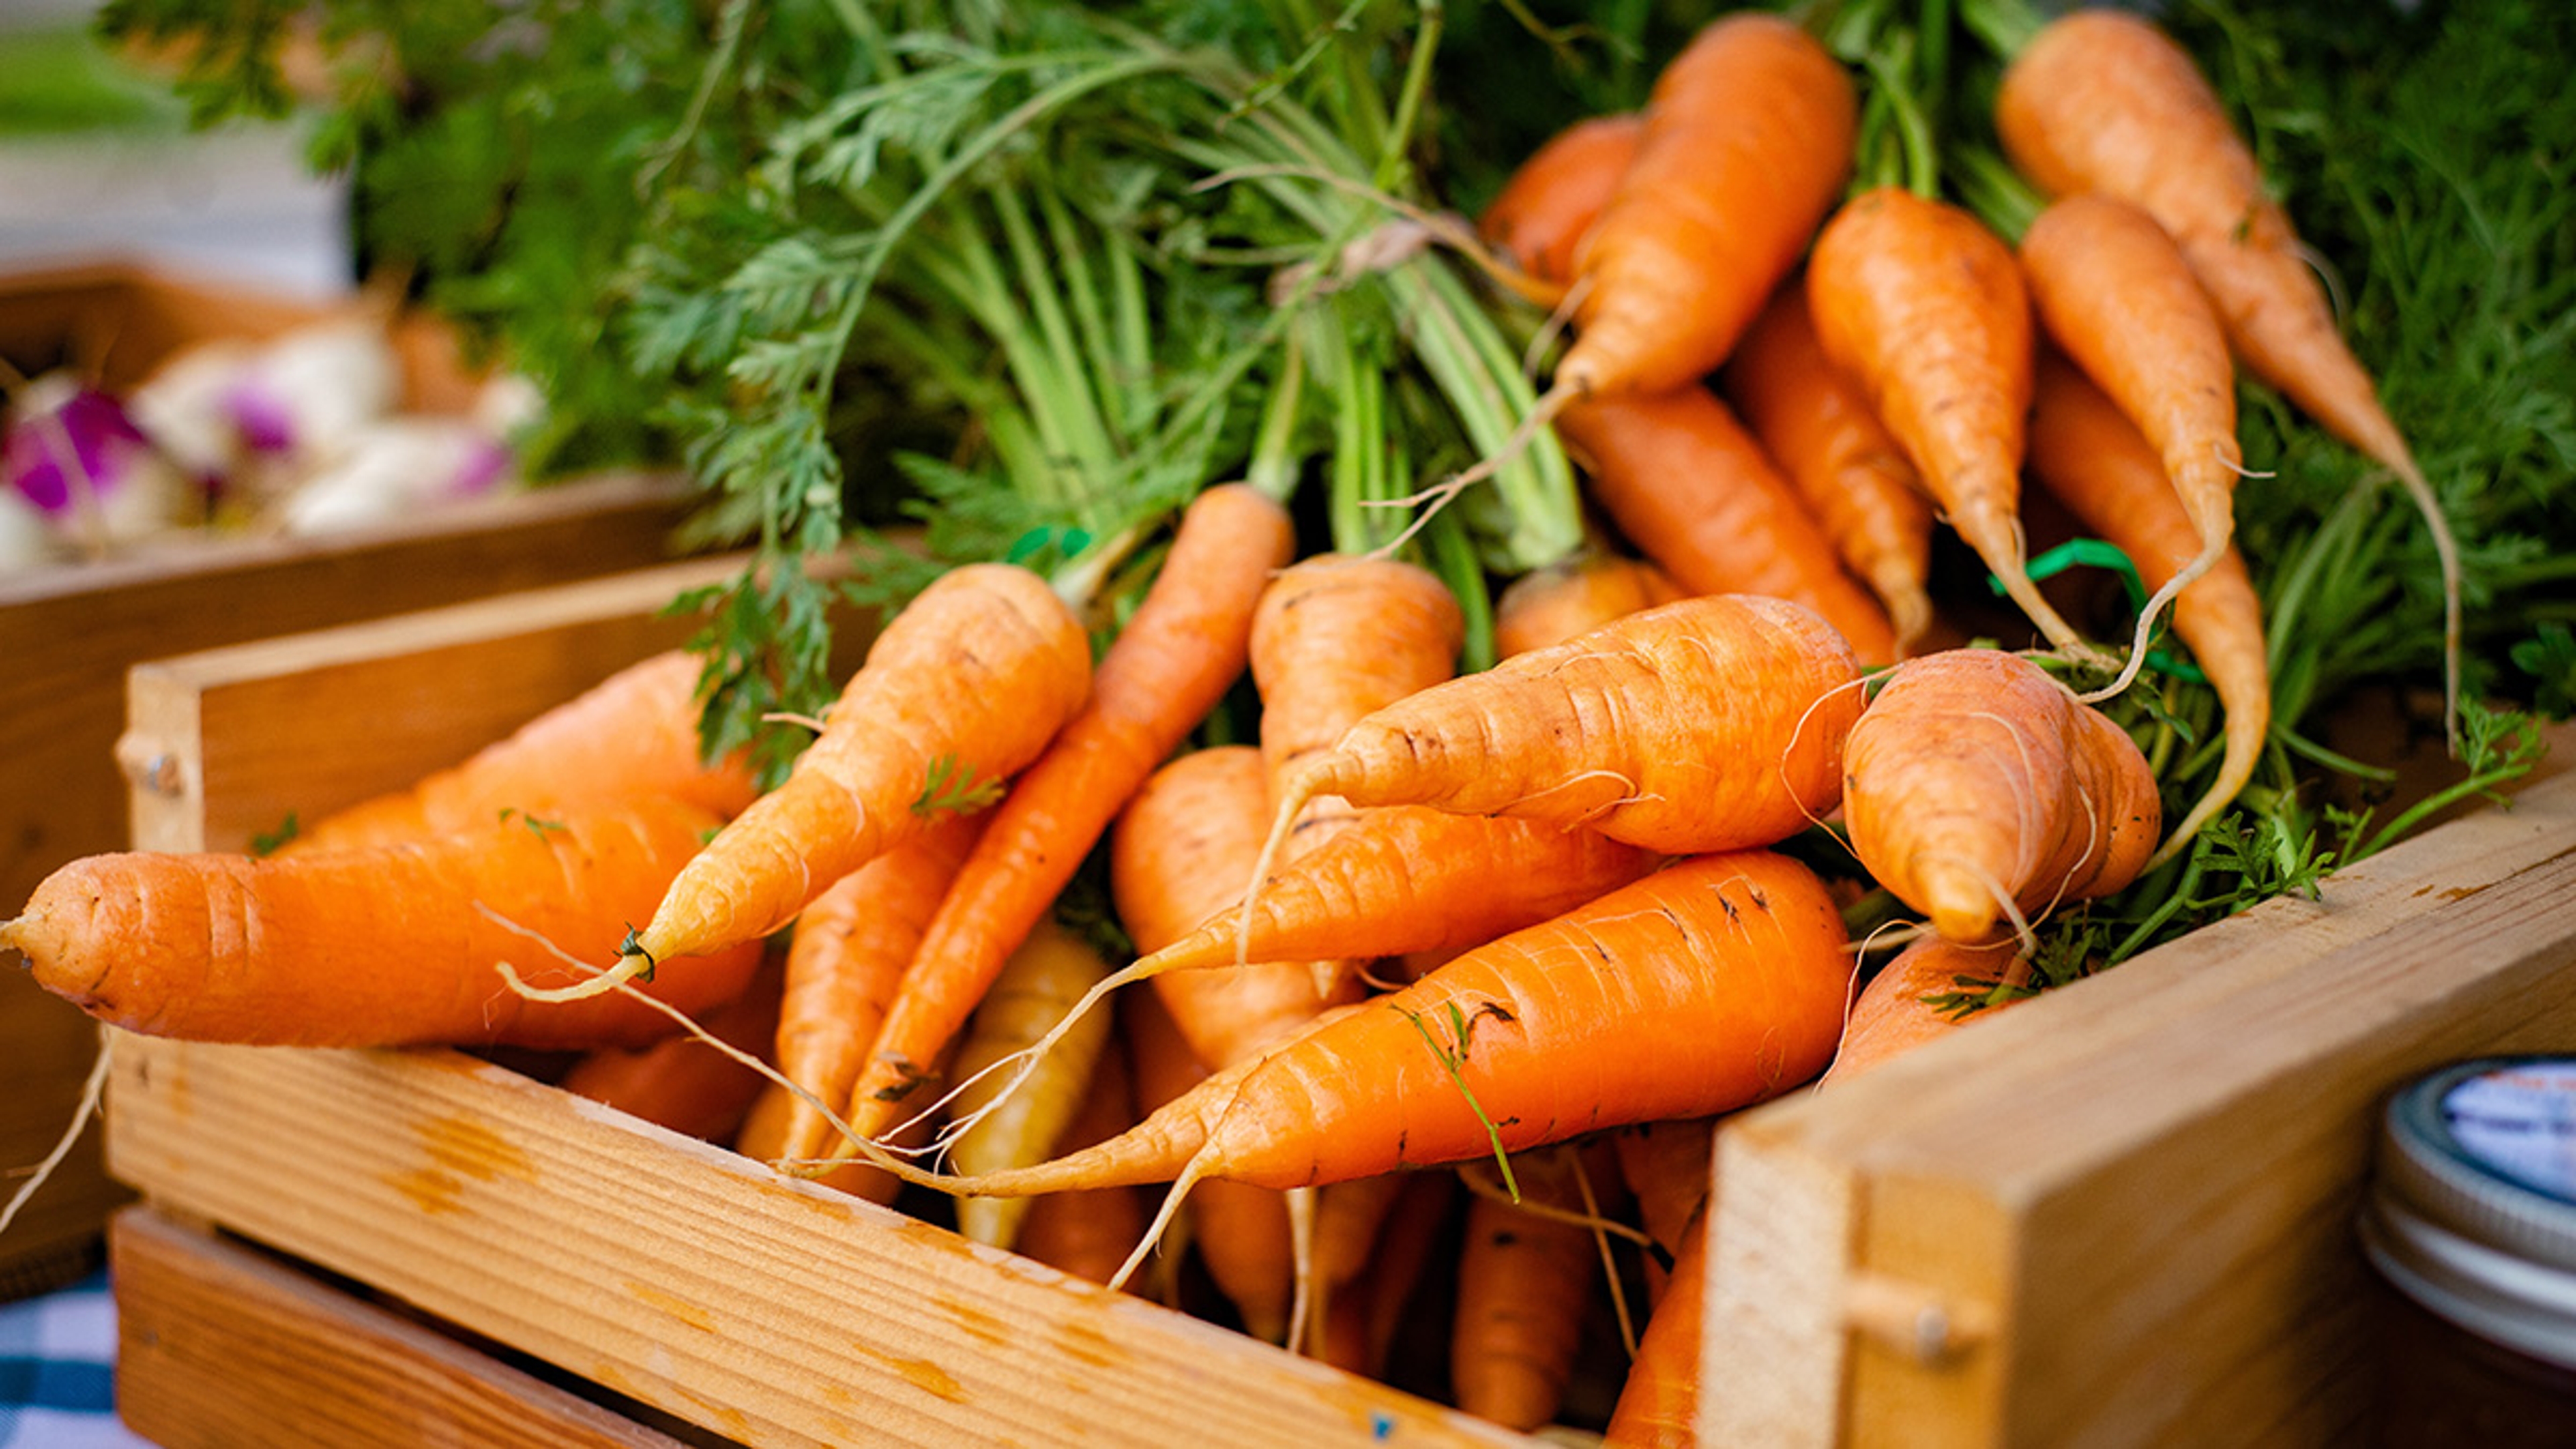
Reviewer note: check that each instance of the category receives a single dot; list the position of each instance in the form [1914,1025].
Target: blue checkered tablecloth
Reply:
[58,1371]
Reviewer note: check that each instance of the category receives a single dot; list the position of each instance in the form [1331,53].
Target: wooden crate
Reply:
[2118,1214]
[679,1275]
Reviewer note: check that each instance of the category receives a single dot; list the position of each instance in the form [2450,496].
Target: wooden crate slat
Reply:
[220,1346]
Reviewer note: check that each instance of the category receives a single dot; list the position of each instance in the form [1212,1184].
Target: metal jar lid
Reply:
[2473,1213]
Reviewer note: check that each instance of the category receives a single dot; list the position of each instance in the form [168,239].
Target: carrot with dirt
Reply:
[1832,449]
[966,685]
[1526,1284]
[1980,791]
[1575,595]
[1175,657]
[2087,455]
[1708,724]
[1694,492]
[1716,982]
[1539,220]
[1044,977]
[392,945]
[634,733]
[845,963]
[2100,101]
[682,1082]
[1923,310]
[2115,295]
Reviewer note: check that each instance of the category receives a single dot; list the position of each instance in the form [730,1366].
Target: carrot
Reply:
[634,733]
[2114,293]
[2101,101]
[1923,309]
[1696,494]
[1525,1286]
[1707,724]
[844,964]
[1088,1234]
[1539,219]
[1711,984]
[1901,1009]
[965,686]
[1831,447]
[1241,1230]
[1575,595]
[1045,976]
[763,1138]
[1169,665]
[387,946]
[1658,1406]
[1178,856]
[1361,1327]
[1976,787]
[1747,140]
[681,1082]
[2086,454]
[1665,1166]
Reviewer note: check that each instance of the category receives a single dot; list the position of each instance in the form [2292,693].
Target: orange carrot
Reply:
[1977,787]
[2114,293]
[1696,494]
[1923,309]
[763,1138]
[1713,983]
[1051,970]
[965,686]
[387,946]
[1185,644]
[1665,1166]
[1707,724]
[1747,141]
[1178,857]
[844,964]
[1576,595]
[1088,1234]
[682,1083]
[1658,1407]
[2086,454]
[1898,1010]
[634,733]
[1525,1285]
[2107,102]
[1367,1310]
[1539,219]
[1831,447]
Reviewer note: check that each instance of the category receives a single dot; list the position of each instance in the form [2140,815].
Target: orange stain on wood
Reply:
[661,1300]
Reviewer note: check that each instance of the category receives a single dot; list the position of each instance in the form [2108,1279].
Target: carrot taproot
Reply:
[1924,311]
[1658,1406]
[1051,970]
[1694,492]
[1832,449]
[2103,101]
[682,1082]
[1185,644]
[966,685]
[1979,790]
[1708,724]
[1747,141]
[1526,1284]
[1554,602]
[634,733]
[1903,1005]
[1539,219]
[1714,983]
[385,946]
[1088,1234]
[2085,452]
[2116,296]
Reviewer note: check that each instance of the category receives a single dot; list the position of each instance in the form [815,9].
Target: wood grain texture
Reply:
[2147,1180]
[219,1346]
[69,636]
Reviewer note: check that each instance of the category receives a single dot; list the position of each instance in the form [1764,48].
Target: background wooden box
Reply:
[69,634]
[2120,1214]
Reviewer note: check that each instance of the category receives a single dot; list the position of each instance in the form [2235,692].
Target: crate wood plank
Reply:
[2142,1186]
[218,1345]
[690,1279]
[223,744]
